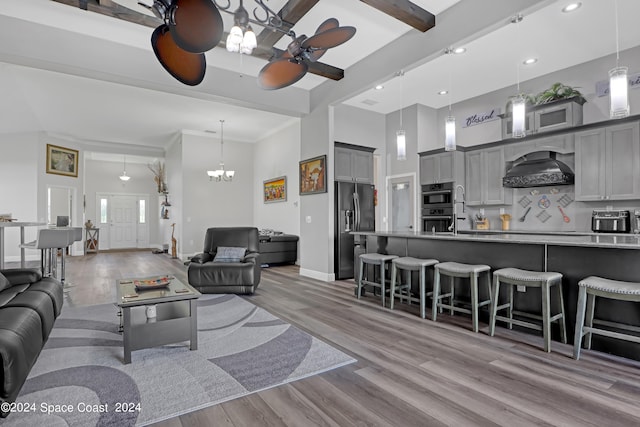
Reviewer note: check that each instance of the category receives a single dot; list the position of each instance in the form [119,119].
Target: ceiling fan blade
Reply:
[328,25]
[330,38]
[187,67]
[316,54]
[281,73]
[196,25]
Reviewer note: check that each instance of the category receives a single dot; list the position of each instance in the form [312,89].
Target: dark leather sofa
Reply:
[241,277]
[29,305]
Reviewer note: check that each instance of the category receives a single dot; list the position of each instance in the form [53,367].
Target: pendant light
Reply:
[450,122]
[401,140]
[618,82]
[518,105]
[124,177]
[221,174]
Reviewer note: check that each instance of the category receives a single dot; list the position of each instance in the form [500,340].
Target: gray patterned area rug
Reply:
[80,379]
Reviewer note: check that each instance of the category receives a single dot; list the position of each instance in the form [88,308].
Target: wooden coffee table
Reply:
[176,315]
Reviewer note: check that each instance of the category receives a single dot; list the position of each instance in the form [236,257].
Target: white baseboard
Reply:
[318,275]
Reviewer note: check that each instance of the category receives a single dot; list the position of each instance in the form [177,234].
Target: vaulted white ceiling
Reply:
[89,77]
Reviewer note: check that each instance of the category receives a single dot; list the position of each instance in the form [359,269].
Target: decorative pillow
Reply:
[4,283]
[229,254]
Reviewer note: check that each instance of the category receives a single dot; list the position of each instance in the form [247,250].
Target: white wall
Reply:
[582,76]
[274,156]
[205,203]
[19,188]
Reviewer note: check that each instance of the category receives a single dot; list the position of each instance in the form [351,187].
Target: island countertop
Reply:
[600,240]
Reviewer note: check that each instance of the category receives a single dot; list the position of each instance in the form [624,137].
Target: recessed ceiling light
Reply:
[443,92]
[456,50]
[571,7]
[379,87]
[530,61]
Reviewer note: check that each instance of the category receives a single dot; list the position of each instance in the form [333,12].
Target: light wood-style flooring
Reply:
[410,371]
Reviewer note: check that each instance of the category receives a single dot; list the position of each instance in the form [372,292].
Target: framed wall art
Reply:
[62,161]
[313,175]
[275,190]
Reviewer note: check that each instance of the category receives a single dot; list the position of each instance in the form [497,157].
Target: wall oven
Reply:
[437,206]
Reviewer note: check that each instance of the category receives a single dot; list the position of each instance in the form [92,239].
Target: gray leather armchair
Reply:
[242,276]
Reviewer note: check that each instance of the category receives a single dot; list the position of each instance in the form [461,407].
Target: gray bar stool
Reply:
[589,289]
[48,240]
[410,264]
[375,259]
[537,279]
[473,272]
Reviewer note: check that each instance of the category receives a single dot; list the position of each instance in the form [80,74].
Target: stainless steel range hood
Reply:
[538,169]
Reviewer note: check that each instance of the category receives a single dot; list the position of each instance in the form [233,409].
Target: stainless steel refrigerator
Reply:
[355,211]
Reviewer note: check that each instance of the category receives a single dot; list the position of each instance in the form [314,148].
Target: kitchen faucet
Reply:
[454,224]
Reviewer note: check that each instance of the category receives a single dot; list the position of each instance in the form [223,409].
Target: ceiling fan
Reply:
[292,64]
[190,28]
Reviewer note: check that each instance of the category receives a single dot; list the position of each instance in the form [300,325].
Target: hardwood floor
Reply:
[410,371]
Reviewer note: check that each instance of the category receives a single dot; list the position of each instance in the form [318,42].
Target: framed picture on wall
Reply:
[275,190]
[62,161]
[313,175]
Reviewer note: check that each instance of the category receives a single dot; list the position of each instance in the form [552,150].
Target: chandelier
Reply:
[241,37]
[221,174]
[124,177]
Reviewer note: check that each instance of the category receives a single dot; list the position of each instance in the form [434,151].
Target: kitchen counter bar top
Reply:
[599,240]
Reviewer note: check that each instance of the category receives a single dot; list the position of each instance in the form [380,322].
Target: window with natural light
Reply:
[142,209]
[103,211]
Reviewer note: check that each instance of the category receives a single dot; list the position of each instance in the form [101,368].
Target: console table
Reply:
[92,240]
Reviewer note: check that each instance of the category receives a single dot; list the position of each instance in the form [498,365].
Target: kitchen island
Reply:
[575,255]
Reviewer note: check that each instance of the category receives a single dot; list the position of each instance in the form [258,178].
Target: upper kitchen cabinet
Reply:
[562,143]
[608,163]
[442,167]
[484,171]
[353,163]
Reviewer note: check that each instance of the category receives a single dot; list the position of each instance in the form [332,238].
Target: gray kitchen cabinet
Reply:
[353,165]
[443,167]
[608,163]
[484,171]
[563,143]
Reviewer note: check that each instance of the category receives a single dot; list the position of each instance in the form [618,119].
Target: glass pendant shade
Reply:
[401,145]
[234,39]
[124,177]
[249,42]
[518,117]
[450,134]
[619,92]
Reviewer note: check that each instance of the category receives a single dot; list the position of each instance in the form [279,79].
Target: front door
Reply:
[401,203]
[123,225]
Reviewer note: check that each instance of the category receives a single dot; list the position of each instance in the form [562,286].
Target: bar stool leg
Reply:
[408,273]
[436,294]
[360,275]
[510,308]
[452,285]
[563,325]
[580,312]
[474,302]
[423,292]
[591,306]
[546,324]
[382,282]
[494,305]
[394,272]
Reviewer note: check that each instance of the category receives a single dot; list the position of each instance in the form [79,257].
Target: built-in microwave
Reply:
[437,195]
[560,116]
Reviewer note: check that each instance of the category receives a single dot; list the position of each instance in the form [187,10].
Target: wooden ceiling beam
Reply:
[290,14]
[405,11]
[113,9]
